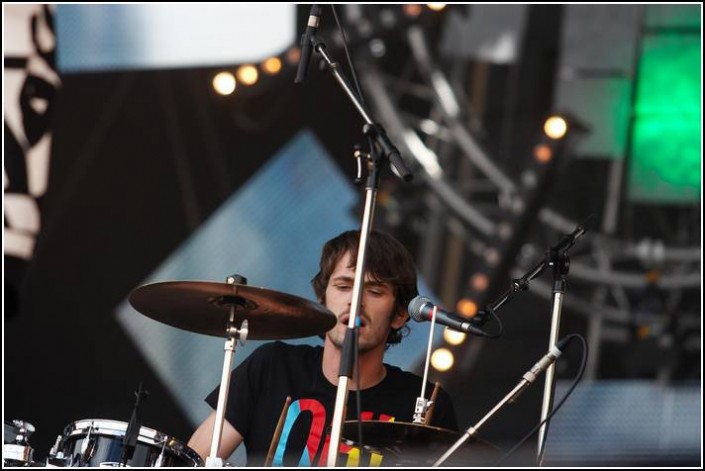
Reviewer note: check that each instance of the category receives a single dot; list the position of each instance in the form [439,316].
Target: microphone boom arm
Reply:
[554,255]
[371,128]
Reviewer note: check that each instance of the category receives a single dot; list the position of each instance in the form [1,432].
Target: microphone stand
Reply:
[390,153]
[560,263]
[557,259]
[371,128]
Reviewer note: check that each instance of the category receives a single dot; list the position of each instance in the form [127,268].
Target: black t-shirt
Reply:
[260,385]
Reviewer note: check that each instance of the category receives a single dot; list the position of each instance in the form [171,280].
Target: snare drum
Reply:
[98,443]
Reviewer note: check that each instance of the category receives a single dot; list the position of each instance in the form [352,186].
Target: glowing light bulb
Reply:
[436,6]
[247,74]
[442,359]
[453,337]
[272,66]
[555,127]
[224,83]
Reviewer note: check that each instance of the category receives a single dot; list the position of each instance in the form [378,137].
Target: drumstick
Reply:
[277,432]
[429,412]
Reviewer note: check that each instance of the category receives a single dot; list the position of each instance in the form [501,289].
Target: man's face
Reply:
[376,313]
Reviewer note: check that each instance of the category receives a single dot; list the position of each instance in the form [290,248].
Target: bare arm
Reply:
[201,439]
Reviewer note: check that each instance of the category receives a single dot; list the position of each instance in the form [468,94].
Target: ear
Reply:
[399,319]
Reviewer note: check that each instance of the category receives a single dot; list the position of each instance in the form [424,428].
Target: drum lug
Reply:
[56,455]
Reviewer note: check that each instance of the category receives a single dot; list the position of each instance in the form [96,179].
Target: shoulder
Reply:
[282,347]
[401,377]
[285,351]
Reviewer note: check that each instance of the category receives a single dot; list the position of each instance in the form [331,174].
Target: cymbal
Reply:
[13,428]
[408,444]
[205,307]
[385,433]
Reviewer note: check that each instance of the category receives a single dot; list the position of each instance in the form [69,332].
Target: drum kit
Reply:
[234,311]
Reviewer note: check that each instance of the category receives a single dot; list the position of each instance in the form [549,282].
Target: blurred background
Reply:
[149,143]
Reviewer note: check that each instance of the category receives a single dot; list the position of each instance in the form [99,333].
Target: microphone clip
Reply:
[309,43]
[422,406]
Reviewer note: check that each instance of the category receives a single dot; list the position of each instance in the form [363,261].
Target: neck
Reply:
[372,371]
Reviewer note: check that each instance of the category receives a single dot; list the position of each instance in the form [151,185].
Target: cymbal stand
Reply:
[422,404]
[233,334]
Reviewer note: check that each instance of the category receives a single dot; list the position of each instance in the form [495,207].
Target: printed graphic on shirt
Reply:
[310,411]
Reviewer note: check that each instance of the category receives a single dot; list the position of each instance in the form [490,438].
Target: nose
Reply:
[362,301]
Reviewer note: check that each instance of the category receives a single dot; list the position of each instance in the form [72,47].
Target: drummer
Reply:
[309,374]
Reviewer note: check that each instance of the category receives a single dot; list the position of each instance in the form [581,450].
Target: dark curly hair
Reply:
[388,261]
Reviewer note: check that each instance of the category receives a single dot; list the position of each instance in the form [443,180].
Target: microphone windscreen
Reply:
[415,307]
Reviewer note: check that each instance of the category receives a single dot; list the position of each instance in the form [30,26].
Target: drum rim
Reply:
[117,428]
[16,452]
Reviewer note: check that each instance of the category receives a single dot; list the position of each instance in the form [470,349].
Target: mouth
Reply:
[346,317]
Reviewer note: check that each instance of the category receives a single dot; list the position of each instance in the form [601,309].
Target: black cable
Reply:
[353,72]
[558,406]
[357,390]
[499,323]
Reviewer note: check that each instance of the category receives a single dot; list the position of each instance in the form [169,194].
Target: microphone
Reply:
[314,17]
[570,239]
[421,309]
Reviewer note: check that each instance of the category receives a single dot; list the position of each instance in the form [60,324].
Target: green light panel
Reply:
[666,158]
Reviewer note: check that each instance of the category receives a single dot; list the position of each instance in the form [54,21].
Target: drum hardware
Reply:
[56,456]
[16,451]
[20,429]
[130,440]
[87,449]
[235,311]
[160,459]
